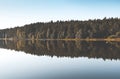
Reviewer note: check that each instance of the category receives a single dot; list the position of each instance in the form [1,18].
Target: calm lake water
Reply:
[59,60]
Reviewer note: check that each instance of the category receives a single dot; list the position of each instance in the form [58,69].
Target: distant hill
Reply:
[105,28]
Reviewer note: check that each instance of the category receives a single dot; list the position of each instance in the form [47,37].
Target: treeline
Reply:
[104,28]
[65,49]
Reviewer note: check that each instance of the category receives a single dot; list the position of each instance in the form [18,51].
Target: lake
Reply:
[22,59]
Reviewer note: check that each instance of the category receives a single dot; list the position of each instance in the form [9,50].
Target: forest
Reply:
[97,28]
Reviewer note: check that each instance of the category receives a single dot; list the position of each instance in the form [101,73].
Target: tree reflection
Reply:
[65,48]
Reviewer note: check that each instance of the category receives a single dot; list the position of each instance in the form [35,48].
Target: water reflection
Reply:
[110,50]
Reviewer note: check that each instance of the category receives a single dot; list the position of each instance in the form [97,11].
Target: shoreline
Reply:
[67,39]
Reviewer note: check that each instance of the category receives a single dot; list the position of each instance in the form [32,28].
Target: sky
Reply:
[20,12]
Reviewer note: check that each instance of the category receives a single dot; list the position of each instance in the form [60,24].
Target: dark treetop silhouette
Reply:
[106,28]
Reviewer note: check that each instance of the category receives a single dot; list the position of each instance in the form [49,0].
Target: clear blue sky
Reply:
[19,12]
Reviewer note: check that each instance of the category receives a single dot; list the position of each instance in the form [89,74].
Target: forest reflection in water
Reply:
[72,49]
[59,60]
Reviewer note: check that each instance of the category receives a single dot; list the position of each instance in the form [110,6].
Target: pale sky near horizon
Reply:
[20,12]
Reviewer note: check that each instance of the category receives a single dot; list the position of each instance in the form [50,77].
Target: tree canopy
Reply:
[97,28]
